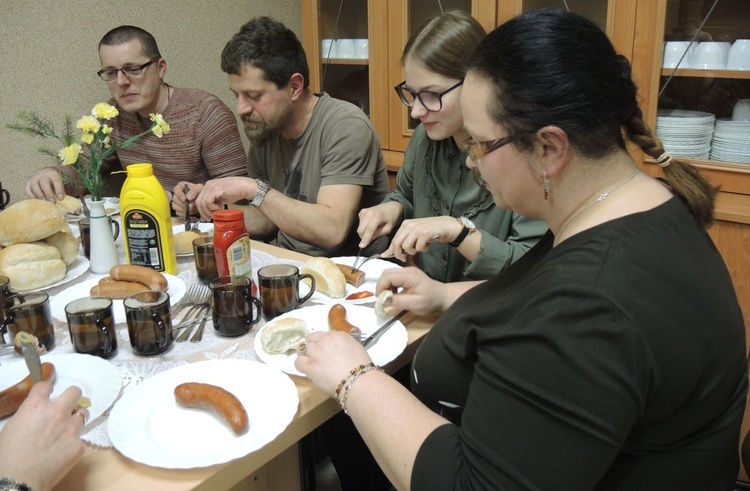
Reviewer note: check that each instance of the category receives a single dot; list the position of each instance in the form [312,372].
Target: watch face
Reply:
[467,223]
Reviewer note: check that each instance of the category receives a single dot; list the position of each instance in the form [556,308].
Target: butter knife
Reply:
[382,329]
[31,356]
[186,190]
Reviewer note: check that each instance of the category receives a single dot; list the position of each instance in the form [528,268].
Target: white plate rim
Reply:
[271,400]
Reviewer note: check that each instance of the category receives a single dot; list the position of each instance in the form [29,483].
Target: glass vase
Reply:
[103,249]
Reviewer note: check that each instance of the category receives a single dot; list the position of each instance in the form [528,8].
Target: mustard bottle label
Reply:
[238,257]
[143,239]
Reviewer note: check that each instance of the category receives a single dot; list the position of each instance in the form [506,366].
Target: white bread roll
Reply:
[284,335]
[69,204]
[30,220]
[31,266]
[328,277]
[66,244]
[183,241]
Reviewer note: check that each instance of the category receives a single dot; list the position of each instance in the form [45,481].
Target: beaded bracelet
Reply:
[353,378]
[350,375]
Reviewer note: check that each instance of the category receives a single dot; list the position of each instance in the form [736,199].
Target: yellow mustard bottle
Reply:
[146,221]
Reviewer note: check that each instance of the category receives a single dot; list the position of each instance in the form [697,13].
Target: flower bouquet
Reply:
[94,135]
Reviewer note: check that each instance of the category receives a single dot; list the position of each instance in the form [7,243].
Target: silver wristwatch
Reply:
[261,194]
[8,484]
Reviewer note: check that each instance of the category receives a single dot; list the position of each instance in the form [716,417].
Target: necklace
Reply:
[598,199]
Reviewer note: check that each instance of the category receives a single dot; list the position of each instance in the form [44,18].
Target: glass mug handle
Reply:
[312,287]
[107,335]
[158,328]
[5,199]
[116,232]
[250,300]
[4,328]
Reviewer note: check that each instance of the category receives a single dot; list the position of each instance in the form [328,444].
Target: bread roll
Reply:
[30,220]
[69,204]
[31,266]
[66,244]
[328,277]
[380,314]
[183,241]
[284,335]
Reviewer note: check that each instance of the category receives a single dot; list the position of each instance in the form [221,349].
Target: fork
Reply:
[359,261]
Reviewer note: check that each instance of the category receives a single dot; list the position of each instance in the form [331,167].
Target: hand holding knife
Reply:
[30,355]
[186,190]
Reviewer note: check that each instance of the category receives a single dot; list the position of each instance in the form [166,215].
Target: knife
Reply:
[186,190]
[30,355]
[382,329]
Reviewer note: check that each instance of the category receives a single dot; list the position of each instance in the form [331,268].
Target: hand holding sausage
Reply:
[41,442]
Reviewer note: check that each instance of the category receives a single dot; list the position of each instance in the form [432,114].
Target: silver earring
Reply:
[546,186]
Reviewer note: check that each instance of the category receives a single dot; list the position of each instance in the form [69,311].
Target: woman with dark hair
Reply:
[437,210]
[611,355]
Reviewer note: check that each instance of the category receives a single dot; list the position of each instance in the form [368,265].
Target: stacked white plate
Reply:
[686,133]
[731,141]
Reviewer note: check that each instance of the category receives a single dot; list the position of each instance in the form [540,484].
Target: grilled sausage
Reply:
[12,397]
[211,398]
[337,320]
[356,278]
[141,274]
[117,289]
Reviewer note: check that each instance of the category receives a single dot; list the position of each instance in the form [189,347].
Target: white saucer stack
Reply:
[686,133]
[731,141]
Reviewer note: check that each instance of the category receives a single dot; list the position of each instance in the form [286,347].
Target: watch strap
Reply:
[461,236]
[8,484]
[261,194]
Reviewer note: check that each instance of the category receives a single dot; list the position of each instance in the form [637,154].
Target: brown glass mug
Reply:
[205,260]
[4,293]
[29,312]
[232,305]
[279,289]
[84,226]
[149,322]
[91,324]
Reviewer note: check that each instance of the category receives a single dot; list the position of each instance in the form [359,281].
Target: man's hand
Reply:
[179,199]
[46,184]
[227,190]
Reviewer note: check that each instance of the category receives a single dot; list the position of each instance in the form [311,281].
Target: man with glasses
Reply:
[314,161]
[203,143]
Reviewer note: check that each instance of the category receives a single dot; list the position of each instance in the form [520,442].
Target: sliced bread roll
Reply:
[328,277]
[183,241]
[30,220]
[284,335]
[69,204]
[31,266]
[66,244]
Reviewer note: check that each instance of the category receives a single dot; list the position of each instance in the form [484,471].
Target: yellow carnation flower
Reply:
[104,111]
[87,138]
[106,129]
[88,124]
[160,126]
[69,155]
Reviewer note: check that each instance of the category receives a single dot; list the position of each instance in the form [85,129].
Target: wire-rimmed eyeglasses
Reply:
[109,74]
[432,101]
[477,150]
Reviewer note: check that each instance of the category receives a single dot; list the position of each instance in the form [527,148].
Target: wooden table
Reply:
[275,466]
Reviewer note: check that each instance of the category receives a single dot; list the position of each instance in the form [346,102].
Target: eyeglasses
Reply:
[432,101]
[477,150]
[109,74]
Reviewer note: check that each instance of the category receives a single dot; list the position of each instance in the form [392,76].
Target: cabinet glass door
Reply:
[405,18]
[705,73]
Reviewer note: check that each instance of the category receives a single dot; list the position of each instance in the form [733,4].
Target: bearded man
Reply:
[314,161]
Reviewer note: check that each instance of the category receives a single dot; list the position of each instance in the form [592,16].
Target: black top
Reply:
[613,361]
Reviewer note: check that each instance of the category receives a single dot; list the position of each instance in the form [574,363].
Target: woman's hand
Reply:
[419,293]
[416,235]
[329,357]
[41,441]
[377,221]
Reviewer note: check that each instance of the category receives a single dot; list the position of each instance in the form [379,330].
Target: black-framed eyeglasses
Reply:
[477,150]
[432,101]
[109,74]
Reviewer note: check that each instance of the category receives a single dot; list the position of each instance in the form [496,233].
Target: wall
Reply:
[49,59]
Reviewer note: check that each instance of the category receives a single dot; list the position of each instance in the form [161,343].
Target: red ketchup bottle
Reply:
[232,244]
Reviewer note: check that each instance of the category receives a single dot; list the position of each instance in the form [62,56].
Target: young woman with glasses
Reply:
[612,355]
[438,211]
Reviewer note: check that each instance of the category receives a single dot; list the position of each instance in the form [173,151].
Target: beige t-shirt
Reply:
[339,146]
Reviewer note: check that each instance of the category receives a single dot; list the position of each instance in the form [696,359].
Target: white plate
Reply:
[79,266]
[98,379]
[206,227]
[386,349]
[148,426]
[175,288]
[372,269]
